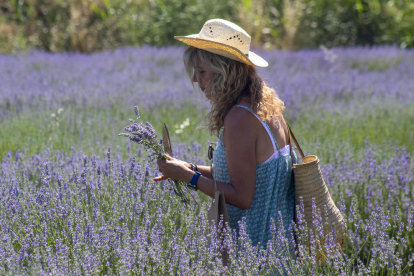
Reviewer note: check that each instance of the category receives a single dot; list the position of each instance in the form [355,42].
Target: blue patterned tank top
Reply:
[274,192]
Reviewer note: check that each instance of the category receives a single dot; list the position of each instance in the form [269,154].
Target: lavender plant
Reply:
[145,135]
[88,211]
[329,91]
[68,213]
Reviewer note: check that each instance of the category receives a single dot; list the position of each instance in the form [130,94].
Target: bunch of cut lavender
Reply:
[144,134]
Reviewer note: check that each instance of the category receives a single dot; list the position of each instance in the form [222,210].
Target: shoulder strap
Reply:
[266,127]
[251,111]
[296,142]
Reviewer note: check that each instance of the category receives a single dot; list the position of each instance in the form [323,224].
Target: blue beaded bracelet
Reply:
[193,183]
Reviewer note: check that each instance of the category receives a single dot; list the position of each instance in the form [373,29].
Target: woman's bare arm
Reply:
[240,141]
[206,171]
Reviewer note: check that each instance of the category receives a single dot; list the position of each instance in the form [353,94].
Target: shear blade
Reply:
[166,140]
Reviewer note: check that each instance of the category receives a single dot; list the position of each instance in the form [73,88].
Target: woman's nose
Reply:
[194,79]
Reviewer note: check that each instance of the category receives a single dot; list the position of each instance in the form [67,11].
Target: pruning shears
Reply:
[166,140]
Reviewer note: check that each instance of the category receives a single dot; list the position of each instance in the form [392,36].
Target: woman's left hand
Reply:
[173,168]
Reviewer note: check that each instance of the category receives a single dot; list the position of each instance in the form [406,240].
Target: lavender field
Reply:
[77,199]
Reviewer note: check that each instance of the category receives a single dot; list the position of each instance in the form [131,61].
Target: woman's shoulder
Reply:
[241,129]
[240,118]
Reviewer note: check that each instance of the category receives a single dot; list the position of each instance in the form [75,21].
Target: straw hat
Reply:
[224,38]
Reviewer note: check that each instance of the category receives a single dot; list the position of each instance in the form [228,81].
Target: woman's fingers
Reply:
[160,163]
[159,178]
[170,168]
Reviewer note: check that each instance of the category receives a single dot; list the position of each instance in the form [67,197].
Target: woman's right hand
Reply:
[172,168]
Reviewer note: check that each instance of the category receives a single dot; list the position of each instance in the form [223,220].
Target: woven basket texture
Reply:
[309,186]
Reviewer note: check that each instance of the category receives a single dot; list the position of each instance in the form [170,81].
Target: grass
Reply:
[91,129]
[338,134]
[326,134]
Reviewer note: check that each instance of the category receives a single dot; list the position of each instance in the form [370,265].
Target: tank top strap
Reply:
[272,136]
[269,132]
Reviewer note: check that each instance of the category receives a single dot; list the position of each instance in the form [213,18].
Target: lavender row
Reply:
[73,214]
[378,183]
[153,77]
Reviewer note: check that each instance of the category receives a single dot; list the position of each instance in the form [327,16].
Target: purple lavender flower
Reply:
[144,134]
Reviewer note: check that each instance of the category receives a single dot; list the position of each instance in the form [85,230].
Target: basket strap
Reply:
[296,142]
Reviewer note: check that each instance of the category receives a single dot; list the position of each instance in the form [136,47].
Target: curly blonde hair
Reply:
[231,81]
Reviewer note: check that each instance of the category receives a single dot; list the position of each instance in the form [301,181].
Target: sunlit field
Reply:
[77,199]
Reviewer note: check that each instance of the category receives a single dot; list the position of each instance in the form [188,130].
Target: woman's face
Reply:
[203,75]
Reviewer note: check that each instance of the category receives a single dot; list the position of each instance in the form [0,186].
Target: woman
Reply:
[252,164]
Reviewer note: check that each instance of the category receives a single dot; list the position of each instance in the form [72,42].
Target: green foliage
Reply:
[94,25]
[159,21]
[356,22]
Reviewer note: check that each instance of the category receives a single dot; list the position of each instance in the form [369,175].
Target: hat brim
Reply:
[223,50]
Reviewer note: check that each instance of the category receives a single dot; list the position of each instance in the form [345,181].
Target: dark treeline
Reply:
[94,25]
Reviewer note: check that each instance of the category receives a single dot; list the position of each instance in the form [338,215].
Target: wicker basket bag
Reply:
[310,188]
